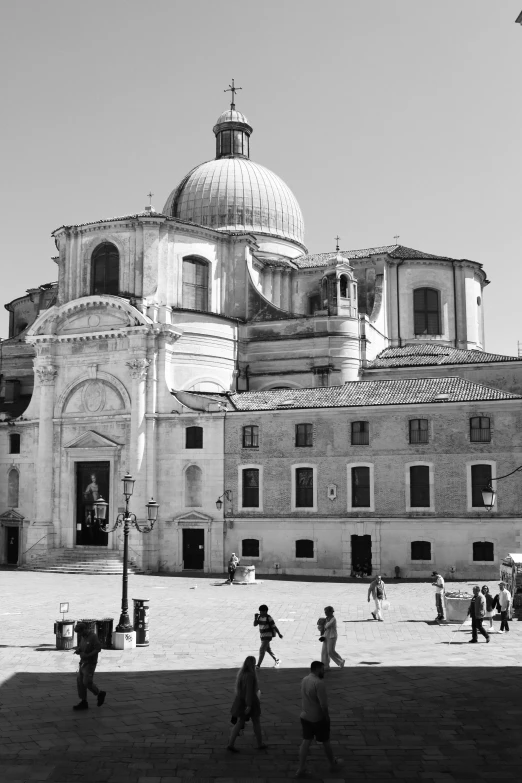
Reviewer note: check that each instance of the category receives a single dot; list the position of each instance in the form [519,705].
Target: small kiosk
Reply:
[511,574]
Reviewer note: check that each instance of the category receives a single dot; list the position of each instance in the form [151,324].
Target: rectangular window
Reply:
[195,284]
[251,488]
[420,550]
[480,478]
[304,488]
[426,311]
[304,548]
[419,431]
[483,550]
[194,438]
[251,437]
[360,433]
[304,435]
[361,487]
[479,429]
[419,486]
[14,443]
[250,547]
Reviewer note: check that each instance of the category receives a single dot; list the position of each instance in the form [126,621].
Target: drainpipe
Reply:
[455,303]
[399,307]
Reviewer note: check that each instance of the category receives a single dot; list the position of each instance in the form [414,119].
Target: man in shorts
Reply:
[315,718]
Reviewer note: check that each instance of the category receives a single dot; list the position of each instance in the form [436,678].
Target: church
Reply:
[315,413]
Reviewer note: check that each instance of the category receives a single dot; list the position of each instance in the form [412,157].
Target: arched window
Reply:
[105,270]
[426,311]
[193,486]
[13,482]
[195,284]
[421,550]
[304,547]
[344,290]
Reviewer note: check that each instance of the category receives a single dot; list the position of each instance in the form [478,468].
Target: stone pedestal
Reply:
[245,575]
[124,641]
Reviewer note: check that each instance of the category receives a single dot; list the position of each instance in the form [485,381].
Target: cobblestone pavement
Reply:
[408,705]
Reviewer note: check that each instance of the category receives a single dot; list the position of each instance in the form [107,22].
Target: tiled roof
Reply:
[426,355]
[361,393]
[394,251]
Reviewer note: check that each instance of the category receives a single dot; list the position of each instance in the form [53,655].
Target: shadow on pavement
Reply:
[433,723]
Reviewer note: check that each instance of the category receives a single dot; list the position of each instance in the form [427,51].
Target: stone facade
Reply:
[450,523]
[154,303]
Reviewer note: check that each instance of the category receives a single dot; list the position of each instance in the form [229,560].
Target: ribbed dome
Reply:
[236,194]
[232,115]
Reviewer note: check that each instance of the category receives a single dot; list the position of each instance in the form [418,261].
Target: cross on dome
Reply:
[233,89]
[337,248]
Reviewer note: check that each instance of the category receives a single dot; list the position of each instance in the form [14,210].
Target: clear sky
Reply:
[384,117]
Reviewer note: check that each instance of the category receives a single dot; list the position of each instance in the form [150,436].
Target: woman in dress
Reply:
[246,704]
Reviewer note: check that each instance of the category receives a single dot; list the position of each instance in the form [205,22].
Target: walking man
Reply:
[377,591]
[267,631]
[315,718]
[439,596]
[88,648]
[477,611]
[232,565]
[504,602]
[330,640]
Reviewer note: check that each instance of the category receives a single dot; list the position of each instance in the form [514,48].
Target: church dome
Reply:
[232,193]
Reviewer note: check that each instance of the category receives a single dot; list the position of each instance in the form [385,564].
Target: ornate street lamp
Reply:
[489,495]
[126,519]
[227,494]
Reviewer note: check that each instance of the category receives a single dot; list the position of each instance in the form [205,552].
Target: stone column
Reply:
[276,298]
[40,534]
[138,367]
[44,467]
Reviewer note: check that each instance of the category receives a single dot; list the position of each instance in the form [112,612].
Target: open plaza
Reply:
[414,701]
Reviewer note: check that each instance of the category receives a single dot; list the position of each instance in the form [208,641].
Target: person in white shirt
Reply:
[504,603]
[328,652]
[315,718]
[439,596]
[377,591]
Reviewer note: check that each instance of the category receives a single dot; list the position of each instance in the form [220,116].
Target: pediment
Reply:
[93,319]
[11,518]
[193,517]
[89,315]
[92,440]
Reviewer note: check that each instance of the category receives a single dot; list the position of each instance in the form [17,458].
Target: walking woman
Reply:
[490,606]
[246,704]
[330,639]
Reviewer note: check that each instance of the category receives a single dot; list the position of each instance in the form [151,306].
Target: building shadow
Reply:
[444,722]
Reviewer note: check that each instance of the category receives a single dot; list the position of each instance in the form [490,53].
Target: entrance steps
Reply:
[80,560]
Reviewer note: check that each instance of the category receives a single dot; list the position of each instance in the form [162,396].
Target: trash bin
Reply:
[91,625]
[104,632]
[64,630]
[141,621]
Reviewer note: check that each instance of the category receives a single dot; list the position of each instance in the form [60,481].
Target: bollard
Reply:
[64,630]
[141,621]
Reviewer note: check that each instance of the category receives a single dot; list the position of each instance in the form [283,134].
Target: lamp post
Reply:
[489,495]
[227,494]
[126,519]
